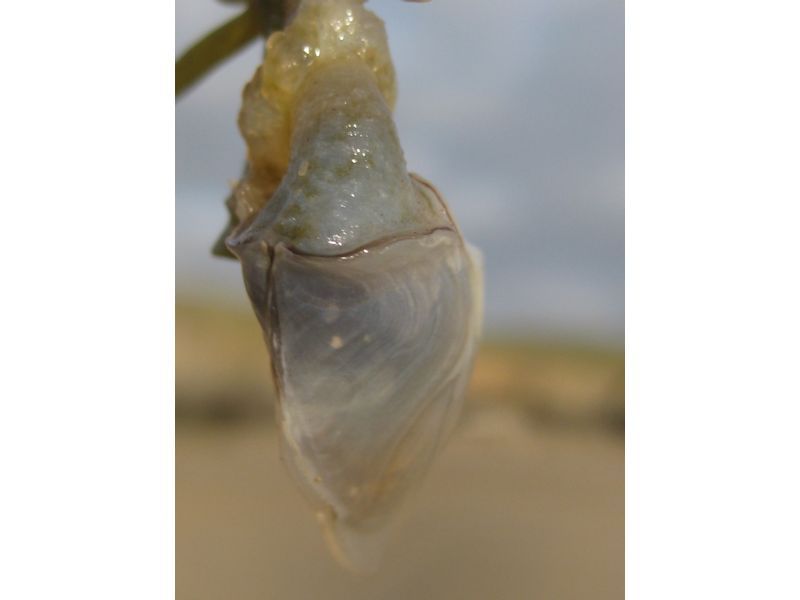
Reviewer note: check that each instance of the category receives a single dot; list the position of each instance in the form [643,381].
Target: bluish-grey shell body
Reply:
[369,298]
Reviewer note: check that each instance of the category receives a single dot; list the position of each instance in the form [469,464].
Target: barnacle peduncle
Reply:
[321,33]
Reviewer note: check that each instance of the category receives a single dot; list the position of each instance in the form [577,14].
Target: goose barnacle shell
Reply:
[369,297]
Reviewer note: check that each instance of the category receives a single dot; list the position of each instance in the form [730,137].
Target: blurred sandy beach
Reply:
[527,501]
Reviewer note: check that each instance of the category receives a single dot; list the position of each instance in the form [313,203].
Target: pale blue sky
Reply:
[515,110]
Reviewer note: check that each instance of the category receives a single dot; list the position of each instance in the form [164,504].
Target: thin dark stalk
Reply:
[218,45]
[261,17]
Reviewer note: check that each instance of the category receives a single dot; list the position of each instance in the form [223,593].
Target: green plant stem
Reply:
[215,47]
[261,16]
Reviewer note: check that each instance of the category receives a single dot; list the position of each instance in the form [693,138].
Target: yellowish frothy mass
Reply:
[322,32]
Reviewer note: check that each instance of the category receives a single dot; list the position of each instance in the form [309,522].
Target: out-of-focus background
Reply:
[515,111]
